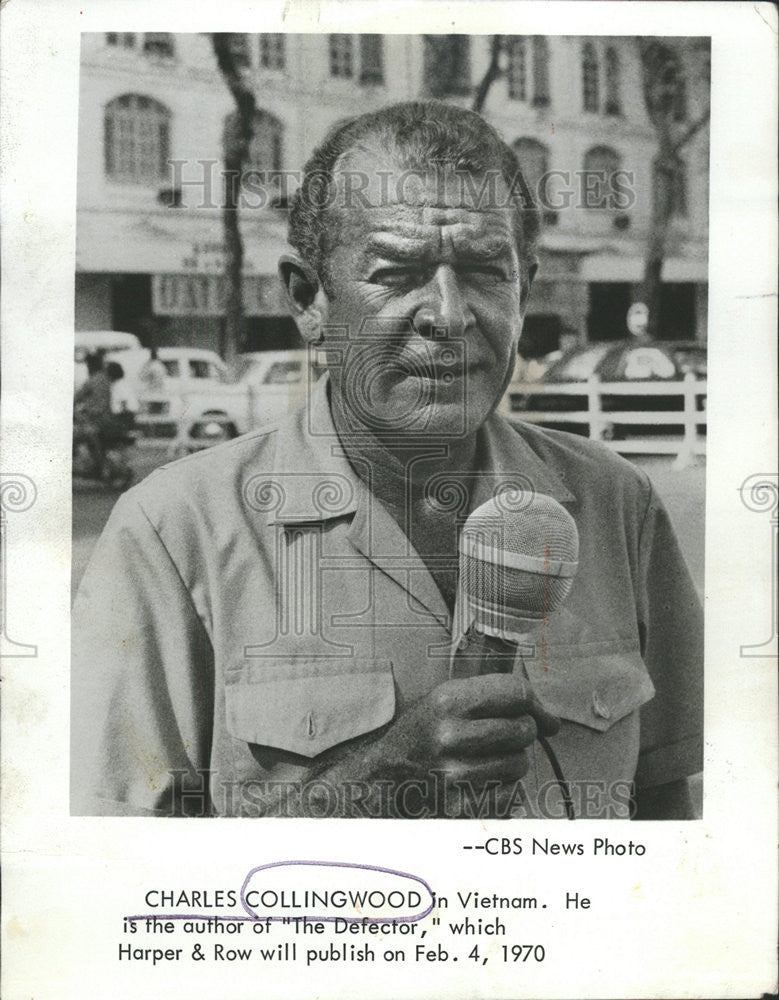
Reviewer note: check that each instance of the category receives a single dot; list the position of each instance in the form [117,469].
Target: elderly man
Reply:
[266,628]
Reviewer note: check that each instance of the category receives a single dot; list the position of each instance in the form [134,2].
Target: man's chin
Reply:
[454,420]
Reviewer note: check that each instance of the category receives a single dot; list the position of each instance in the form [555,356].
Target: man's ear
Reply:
[301,285]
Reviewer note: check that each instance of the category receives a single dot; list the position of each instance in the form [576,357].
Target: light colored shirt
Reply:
[152,376]
[251,607]
[123,399]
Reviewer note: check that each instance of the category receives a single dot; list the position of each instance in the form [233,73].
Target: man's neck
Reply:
[397,469]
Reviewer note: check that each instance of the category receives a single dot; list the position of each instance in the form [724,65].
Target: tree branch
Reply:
[691,131]
[492,74]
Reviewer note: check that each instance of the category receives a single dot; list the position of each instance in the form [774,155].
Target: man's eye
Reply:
[399,277]
[482,272]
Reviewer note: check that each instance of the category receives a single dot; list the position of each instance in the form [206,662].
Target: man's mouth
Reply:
[434,371]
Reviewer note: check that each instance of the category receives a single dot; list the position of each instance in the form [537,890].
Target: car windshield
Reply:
[580,365]
[172,369]
[248,368]
[82,350]
[200,369]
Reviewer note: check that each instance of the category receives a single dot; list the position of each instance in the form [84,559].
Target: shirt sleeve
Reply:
[142,678]
[671,629]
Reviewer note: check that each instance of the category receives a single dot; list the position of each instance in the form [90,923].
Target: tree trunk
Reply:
[662,75]
[662,211]
[233,247]
[237,137]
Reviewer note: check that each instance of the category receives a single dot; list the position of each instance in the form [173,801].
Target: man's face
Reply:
[434,270]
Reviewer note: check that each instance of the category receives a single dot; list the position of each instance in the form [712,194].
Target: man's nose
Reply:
[445,307]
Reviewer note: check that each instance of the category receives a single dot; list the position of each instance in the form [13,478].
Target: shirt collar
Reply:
[313,480]
[511,460]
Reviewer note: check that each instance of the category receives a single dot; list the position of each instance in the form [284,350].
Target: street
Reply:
[93,502]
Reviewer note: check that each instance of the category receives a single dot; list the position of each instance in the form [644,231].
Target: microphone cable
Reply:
[562,784]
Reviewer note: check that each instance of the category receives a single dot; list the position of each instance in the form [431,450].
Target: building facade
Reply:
[154,108]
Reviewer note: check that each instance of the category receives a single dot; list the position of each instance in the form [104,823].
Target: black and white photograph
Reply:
[388,499]
[405,339]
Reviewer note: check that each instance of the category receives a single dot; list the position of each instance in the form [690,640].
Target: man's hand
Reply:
[473,730]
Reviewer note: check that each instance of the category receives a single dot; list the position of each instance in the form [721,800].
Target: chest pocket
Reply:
[595,687]
[308,706]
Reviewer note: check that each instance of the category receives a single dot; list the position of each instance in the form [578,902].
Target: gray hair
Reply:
[419,134]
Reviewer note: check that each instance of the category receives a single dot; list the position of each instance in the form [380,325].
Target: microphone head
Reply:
[516,565]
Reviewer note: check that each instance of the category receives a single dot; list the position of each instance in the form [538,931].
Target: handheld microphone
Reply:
[516,568]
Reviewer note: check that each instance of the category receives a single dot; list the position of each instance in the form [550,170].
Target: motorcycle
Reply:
[116,438]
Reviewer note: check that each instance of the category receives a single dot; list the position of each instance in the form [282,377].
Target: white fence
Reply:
[601,423]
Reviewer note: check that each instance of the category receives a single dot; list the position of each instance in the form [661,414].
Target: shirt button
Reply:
[599,708]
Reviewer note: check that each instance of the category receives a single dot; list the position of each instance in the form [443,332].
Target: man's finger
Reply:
[504,767]
[486,737]
[498,696]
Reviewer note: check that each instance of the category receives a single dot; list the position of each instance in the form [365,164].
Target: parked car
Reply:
[276,383]
[196,383]
[93,341]
[202,401]
[279,377]
[615,361]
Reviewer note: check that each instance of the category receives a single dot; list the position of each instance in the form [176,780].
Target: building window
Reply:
[371,59]
[613,102]
[341,56]
[447,65]
[517,69]
[120,39]
[158,43]
[590,78]
[601,163]
[540,71]
[533,159]
[137,139]
[239,50]
[272,51]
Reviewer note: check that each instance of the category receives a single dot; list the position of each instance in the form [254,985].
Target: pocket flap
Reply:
[595,690]
[308,707]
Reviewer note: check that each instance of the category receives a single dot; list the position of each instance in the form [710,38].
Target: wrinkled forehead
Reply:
[374,192]
[419,231]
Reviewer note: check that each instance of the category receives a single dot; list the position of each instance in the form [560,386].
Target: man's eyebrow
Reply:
[484,249]
[396,247]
